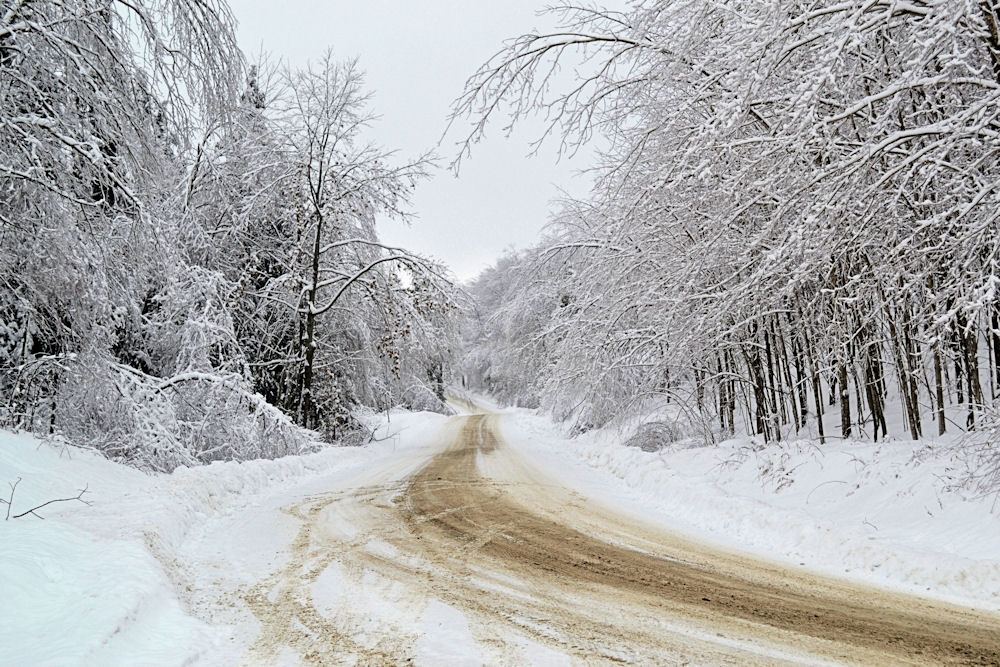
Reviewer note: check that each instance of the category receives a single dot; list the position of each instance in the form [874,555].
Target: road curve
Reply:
[523,557]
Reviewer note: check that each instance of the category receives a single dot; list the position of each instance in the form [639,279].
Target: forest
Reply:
[795,217]
[189,266]
[792,230]
[732,399]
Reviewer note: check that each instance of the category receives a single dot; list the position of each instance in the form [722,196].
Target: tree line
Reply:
[793,228]
[190,268]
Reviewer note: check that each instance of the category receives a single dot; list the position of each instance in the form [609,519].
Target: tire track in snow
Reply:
[526,559]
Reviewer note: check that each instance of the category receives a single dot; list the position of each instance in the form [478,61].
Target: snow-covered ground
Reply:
[128,579]
[889,514]
[110,583]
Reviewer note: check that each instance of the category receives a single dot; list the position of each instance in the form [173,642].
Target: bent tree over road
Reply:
[525,558]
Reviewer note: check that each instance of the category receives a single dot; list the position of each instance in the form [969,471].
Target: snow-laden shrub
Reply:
[159,424]
[980,452]
[419,397]
[190,326]
[653,436]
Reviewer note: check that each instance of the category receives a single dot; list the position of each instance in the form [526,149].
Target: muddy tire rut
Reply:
[527,560]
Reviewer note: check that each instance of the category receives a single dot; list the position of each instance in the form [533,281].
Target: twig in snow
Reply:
[32,511]
[829,481]
[10,500]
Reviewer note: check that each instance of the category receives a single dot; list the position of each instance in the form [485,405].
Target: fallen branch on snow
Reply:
[9,502]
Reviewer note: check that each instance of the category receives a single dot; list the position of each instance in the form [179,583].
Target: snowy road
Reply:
[506,566]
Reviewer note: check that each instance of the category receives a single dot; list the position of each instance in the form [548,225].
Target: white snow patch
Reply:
[78,587]
[98,584]
[446,639]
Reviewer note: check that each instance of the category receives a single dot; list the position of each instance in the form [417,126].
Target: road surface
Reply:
[529,561]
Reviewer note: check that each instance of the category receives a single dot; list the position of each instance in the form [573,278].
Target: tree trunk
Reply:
[773,416]
[912,365]
[725,398]
[309,342]
[970,350]
[873,391]
[800,380]
[845,401]
[992,19]
[939,388]
[899,354]
[759,394]
[995,337]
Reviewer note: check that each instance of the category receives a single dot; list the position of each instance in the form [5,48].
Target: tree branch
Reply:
[33,510]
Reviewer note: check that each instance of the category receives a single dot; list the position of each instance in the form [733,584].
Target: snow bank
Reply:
[89,584]
[77,587]
[884,513]
[73,598]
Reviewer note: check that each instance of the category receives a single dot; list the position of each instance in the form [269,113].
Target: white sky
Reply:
[417,55]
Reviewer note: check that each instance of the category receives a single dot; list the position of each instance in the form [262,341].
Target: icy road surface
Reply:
[506,566]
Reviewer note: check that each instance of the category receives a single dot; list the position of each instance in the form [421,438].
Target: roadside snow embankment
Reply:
[87,585]
[882,513]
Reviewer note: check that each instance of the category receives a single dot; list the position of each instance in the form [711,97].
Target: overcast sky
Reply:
[417,55]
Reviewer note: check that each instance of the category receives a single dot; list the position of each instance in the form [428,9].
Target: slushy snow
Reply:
[889,514]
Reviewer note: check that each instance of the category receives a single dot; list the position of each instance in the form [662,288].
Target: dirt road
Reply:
[528,560]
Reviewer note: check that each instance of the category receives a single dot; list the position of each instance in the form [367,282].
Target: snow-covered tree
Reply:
[797,210]
[162,294]
[344,285]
